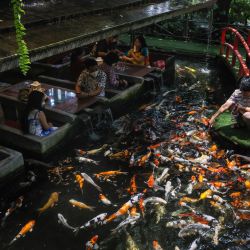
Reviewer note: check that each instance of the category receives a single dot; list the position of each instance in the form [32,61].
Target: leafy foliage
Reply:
[23,52]
[240,11]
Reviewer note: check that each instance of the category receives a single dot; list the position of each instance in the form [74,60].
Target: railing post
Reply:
[222,41]
[236,46]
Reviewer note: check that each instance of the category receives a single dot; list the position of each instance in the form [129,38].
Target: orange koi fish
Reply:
[90,245]
[205,121]
[133,212]
[156,245]
[133,187]
[120,155]
[235,195]
[80,181]
[216,205]
[104,200]
[243,216]
[193,112]
[213,148]
[230,164]
[80,205]
[123,210]
[50,203]
[247,184]
[141,206]
[156,145]
[143,159]
[218,184]
[27,228]
[108,174]
[151,181]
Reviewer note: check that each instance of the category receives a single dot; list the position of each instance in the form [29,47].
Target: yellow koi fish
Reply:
[80,205]
[50,203]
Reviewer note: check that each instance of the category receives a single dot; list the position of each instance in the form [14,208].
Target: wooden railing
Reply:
[232,50]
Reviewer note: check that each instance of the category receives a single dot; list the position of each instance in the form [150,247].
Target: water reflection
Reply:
[57,96]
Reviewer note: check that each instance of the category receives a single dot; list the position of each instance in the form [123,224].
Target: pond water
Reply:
[199,172]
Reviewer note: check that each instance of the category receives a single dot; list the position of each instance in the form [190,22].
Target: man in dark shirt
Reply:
[105,46]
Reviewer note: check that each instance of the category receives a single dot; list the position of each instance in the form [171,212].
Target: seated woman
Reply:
[107,66]
[35,121]
[239,104]
[139,54]
[92,81]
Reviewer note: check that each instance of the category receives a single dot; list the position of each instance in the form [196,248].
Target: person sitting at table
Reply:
[139,54]
[103,47]
[239,104]
[108,67]
[92,81]
[35,121]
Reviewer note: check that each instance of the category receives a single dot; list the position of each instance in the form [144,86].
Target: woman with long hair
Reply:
[35,121]
[139,54]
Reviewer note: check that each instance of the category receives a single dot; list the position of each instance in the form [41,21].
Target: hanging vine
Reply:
[23,52]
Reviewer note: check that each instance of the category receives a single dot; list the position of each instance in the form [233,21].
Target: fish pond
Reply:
[171,186]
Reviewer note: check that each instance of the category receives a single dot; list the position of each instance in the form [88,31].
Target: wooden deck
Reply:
[65,34]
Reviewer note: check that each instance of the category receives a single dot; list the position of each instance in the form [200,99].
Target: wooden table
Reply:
[135,70]
[59,98]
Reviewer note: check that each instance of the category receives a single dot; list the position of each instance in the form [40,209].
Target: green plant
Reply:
[23,52]
[240,11]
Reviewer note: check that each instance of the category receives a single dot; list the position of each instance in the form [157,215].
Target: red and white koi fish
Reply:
[90,245]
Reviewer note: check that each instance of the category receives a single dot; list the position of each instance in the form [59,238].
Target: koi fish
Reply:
[104,200]
[50,203]
[125,154]
[86,160]
[133,188]
[168,189]
[151,181]
[80,205]
[125,207]
[192,229]
[14,205]
[217,206]
[80,181]
[156,245]
[93,151]
[177,224]
[193,112]
[194,244]
[132,160]
[90,181]
[63,221]
[109,173]
[98,220]
[141,206]
[164,175]
[28,227]
[189,199]
[128,221]
[90,245]
[207,194]
[142,161]
[133,212]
